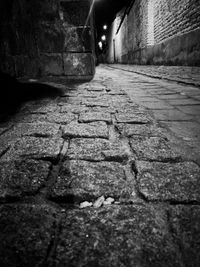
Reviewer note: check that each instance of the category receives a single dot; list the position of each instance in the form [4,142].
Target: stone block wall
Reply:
[46,38]
[157,32]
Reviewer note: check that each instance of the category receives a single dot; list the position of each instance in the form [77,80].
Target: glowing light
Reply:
[100,44]
[105,27]
[103,37]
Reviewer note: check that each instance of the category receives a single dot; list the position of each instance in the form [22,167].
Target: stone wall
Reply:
[46,38]
[157,32]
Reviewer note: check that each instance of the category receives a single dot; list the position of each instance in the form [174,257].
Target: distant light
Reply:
[100,45]
[105,27]
[103,37]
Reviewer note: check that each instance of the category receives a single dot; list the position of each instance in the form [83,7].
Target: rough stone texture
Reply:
[185,221]
[116,236]
[37,148]
[178,182]
[95,116]
[78,64]
[36,129]
[154,148]
[26,234]
[23,177]
[44,38]
[97,150]
[89,130]
[133,118]
[83,180]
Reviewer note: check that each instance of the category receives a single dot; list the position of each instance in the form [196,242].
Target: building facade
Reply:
[156,32]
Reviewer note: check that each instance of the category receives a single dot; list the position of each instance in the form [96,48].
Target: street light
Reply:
[105,27]
[103,38]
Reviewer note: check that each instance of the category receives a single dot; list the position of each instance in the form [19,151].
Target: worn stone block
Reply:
[178,182]
[82,180]
[154,148]
[116,236]
[36,129]
[37,148]
[78,64]
[185,223]
[89,130]
[21,178]
[95,116]
[77,39]
[26,234]
[97,150]
[51,37]
[52,64]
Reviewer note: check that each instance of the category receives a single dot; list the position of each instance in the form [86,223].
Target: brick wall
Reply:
[158,32]
[173,17]
[46,38]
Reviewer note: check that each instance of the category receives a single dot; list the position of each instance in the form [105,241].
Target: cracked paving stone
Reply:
[89,130]
[154,148]
[37,148]
[36,129]
[185,222]
[83,180]
[26,234]
[97,150]
[23,177]
[133,118]
[116,236]
[95,116]
[178,182]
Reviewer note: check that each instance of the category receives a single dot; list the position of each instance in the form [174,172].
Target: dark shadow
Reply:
[14,93]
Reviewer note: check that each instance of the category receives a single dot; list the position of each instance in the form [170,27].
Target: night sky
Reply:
[105,11]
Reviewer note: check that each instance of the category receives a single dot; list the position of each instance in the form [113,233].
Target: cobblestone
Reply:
[104,174]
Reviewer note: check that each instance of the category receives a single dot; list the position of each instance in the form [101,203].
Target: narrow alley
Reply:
[100,133]
[89,177]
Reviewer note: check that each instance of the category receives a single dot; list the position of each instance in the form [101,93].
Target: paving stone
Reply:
[89,130]
[156,105]
[95,103]
[116,236]
[70,108]
[83,180]
[173,96]
[188,130]
[36,129]
[192,110]
[177,182]
[23,177]
[185,221]
[95,116]
[26,234]
[171,115]
[154,148]
[129,130]
[133,118]
[183,102]
[97,149]
[37,148]
[39,108]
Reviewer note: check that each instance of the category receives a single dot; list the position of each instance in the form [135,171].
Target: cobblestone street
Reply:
[104,173]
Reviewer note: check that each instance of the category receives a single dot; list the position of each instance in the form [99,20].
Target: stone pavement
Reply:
[181,74]
[174,105]
[90,178]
